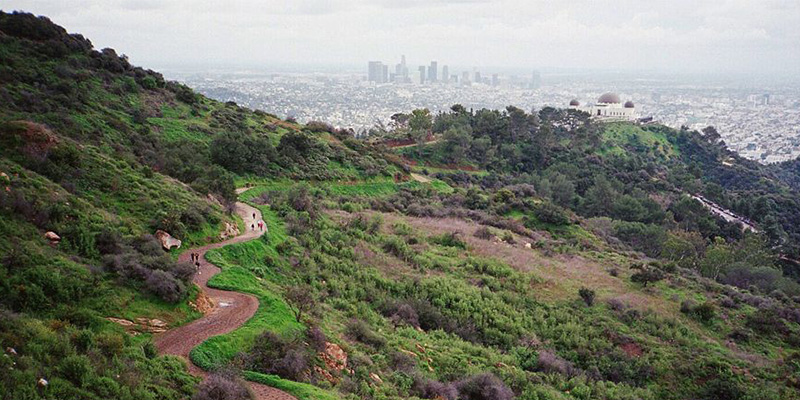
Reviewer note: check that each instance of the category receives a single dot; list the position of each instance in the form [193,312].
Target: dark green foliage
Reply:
[587,295]
[241,153]
[550,213]
[647,275]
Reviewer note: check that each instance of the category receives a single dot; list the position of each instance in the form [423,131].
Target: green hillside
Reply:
[533,256]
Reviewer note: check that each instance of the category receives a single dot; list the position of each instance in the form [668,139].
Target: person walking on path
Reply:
[253,227]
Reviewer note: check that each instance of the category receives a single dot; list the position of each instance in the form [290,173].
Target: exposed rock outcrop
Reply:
[167,241]
[231,230]
[202,303]
[141,325]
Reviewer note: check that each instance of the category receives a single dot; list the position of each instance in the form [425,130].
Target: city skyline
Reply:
[378,72]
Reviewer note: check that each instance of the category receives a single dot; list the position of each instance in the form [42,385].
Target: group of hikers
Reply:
[260,224]
[196,261]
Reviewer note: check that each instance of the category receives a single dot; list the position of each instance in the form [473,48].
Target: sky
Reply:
[718,36]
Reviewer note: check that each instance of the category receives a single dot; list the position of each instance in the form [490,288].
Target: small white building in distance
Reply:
[608,106]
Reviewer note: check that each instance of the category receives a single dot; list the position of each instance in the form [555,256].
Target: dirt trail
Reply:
[420,178]
[231,309]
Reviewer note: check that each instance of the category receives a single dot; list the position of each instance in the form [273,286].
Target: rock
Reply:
[11,350]
[167,241]
[527,245]
[334,357]
[231,230]
[4,177]
[43,382]
[202,303]
[120,321]
[157,323]
[377,379]
[52,237]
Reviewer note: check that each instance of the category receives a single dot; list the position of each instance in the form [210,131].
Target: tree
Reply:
[647,275]
[420,123]
[457,141]
[300,299]
[562,190]
[600,197]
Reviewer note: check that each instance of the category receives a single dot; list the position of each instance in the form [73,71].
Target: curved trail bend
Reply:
[231,309]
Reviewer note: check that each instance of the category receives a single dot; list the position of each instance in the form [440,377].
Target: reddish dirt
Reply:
[230,309]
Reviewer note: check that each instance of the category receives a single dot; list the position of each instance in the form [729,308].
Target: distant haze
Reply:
[752,37]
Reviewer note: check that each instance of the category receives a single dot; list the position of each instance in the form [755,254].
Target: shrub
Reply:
[704,312]
[452,239]
[405,313]
[75,368]
[223,385]
[587,295]
[286,357]
[360,331]
[550,213]
[483,387]
[402,362]
[483,233]
[549,362]
[431,389]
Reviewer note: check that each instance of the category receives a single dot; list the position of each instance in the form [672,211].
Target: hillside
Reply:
[528,255]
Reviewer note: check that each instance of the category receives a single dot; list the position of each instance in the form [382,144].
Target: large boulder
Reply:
[167,241]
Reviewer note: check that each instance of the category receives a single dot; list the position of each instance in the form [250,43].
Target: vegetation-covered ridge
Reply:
[562,258]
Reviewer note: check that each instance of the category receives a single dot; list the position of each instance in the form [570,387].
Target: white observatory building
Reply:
[608,106]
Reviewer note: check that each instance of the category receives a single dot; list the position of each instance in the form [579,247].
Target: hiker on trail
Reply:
[254,215]
[261,225]
[253,226]
[197,265]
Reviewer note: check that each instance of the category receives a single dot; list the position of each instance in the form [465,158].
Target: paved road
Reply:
[231,309]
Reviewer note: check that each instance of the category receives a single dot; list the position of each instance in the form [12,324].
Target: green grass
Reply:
[619,135]
[302,391]
[378,187]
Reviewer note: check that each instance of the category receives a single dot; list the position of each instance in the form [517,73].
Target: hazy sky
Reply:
[675,35]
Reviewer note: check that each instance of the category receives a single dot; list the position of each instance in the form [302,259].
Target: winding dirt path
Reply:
[231,309]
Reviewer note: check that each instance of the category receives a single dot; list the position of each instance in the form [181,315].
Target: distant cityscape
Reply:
[759,120]
[379,73]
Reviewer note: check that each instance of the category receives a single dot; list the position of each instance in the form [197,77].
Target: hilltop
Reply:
[540,255]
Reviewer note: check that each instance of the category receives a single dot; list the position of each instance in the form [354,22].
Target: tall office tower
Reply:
[384,73]
[445,74]
[375,71]
[478,77]
[433,71]
[495,80]
[536,80]
[421,74]
[401,70]
[465,78]
[454,78]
